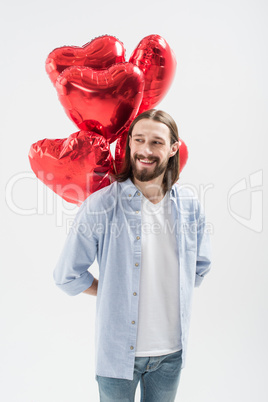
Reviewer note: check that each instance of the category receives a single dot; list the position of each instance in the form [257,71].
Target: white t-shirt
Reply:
[159,301]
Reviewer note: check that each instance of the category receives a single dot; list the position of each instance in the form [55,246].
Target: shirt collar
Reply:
[130,190]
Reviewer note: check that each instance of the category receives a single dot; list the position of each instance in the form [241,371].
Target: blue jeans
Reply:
[159,378]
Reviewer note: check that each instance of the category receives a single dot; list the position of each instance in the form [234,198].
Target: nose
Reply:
[146,149]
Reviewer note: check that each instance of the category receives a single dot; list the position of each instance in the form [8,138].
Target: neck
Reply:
[153,189]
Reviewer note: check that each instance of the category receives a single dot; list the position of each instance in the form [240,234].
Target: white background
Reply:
[219,100]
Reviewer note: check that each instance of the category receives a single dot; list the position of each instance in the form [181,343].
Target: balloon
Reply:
[101,94]
[158,63]
[73,167]
[183,150]
[120,152]
[100,53]
[111,97]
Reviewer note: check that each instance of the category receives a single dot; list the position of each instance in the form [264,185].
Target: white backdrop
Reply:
[219,100]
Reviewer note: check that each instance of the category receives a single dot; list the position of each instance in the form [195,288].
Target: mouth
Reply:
[146,162]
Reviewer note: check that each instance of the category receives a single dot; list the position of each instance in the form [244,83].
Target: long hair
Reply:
[172,172]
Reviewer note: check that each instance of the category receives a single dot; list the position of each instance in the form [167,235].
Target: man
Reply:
[152,248]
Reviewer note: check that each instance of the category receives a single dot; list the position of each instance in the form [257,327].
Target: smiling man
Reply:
[151,149]
[147,269]
[153,140]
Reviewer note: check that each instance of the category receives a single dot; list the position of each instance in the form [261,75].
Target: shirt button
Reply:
[139,193]
[138,237]
[129,195]
[131,347]
[132,322]
[137,212]
[134,294]
[136,264]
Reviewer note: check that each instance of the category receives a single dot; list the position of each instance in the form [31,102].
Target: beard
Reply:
[147,174]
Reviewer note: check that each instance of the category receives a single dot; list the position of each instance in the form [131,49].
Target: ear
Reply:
[129,140]
[174,148]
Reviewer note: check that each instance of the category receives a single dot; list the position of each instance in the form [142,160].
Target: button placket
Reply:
[135,203]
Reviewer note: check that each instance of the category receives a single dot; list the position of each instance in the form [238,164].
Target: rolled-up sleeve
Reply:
[71,272]
[203,259]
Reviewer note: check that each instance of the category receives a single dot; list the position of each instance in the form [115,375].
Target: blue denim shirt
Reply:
[108,226]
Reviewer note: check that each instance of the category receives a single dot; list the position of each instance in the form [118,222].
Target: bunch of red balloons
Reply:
[102,94]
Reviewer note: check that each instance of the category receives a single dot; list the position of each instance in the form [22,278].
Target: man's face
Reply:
[150,149]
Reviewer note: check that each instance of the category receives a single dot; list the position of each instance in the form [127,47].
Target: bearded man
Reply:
[152,247]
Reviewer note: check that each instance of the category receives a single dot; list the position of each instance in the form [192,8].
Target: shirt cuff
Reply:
[77,285]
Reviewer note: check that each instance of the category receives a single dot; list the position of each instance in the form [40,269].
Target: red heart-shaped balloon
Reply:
[100,53]
[111,97]
[73,167]
[121,146]
[119,153]
[183,150]
[157,61]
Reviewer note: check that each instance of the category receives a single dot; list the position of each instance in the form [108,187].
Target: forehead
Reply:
[151,128]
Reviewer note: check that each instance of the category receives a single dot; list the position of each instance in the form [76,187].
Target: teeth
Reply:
[144,161]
